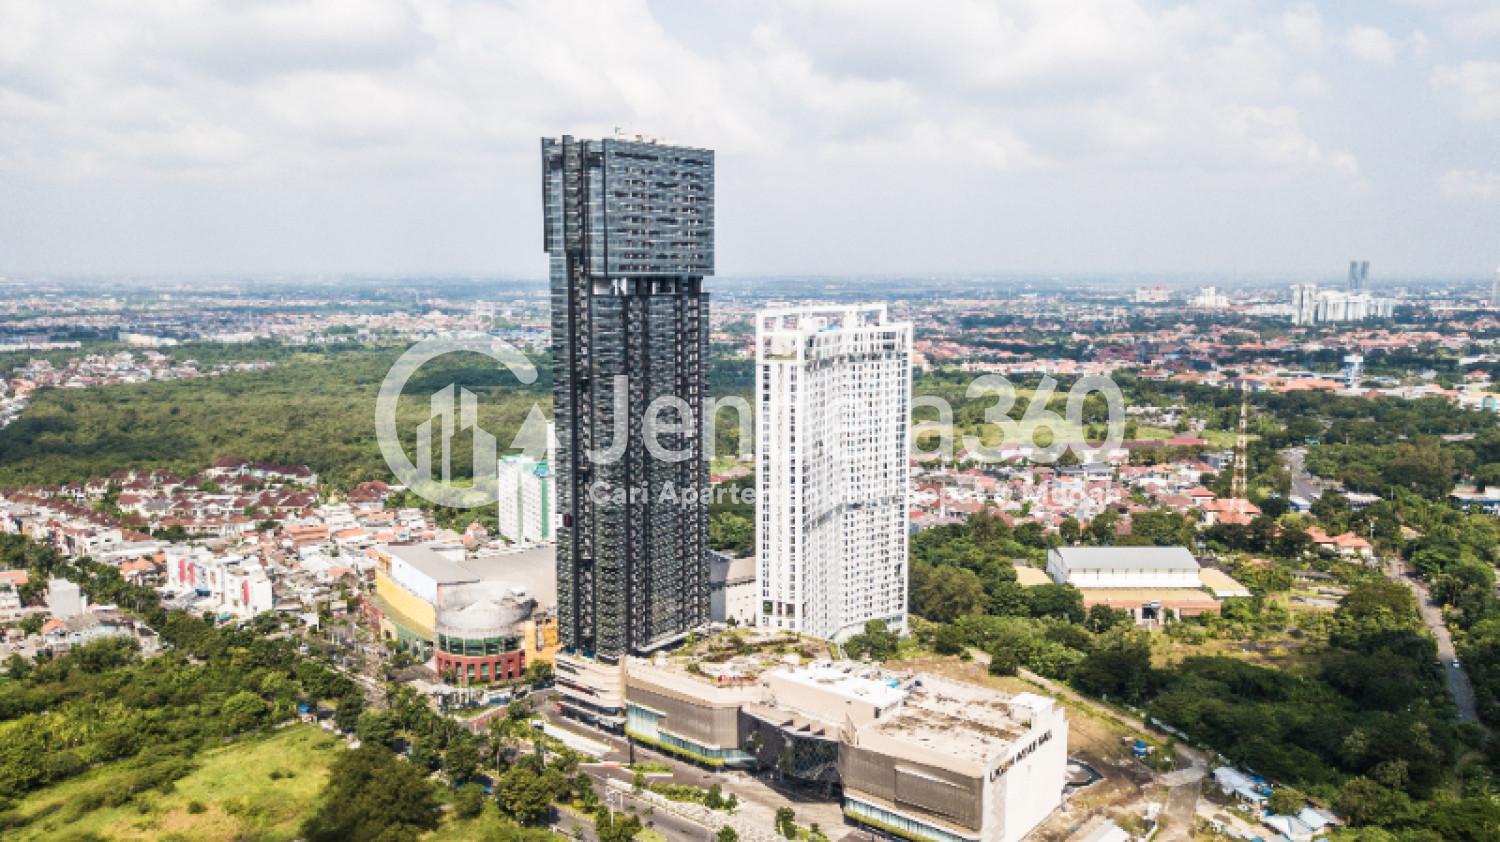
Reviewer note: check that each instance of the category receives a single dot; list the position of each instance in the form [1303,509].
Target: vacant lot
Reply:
[232,795]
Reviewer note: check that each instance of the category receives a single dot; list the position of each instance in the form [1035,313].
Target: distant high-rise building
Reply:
[528,500]
[1495,291]
[1354,368]
[1209,298]
[1312,306]
[834,392]
[1304,304]
[1359,276]
[630,234]
[1156,294]
[527,492]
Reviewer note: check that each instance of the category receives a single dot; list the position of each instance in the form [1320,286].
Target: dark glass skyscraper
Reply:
[629,227]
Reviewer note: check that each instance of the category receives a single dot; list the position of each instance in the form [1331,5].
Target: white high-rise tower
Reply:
[834,391]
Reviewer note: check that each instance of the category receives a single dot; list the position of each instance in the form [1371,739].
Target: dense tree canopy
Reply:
[373,794]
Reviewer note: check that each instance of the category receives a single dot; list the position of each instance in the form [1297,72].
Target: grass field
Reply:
[1217,438]
[1296,649]
[230,796]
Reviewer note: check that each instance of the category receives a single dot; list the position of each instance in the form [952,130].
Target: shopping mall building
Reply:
[471,629]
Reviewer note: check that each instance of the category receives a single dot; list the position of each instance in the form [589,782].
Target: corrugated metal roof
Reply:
[1129,558]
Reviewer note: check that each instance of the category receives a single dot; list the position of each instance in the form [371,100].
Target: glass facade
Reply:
[641,723]
[898,824]
[476,647]
[629,231]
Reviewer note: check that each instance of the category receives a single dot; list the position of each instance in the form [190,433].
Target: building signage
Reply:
[1025,752]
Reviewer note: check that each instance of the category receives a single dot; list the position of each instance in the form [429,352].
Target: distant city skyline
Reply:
[1075,138]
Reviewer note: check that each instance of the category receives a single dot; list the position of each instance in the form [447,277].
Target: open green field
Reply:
[230,796]
[1217,438]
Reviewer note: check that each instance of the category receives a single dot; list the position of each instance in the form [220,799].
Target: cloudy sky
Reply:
[853,136]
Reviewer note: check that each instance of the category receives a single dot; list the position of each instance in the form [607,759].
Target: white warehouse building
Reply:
[833,386]
[1124,567]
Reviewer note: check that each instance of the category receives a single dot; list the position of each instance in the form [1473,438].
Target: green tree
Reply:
[877,642]
[526,790]
[943,594]
[1004,662]
[461,760]
[346,715]
[714,798]
[372,794]
[731,533]
[244,711]
[1162,528]
[949,640]
[615,827]
[377,727]
[1102,618]
[1286,801]
[1101,530]
[539,672]
[468,802]
[1364,802]
[1070,530]
[786,822]
[1054,600]
[1119,667]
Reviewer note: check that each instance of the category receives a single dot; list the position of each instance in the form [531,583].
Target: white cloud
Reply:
[1470,184]
[1371,44]
[157,87]
[1475,85]
[1469,20]
[1001,111]
[1311,85]
[1303,27]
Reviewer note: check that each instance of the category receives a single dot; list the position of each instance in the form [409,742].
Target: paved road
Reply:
[1304,484]
[666,823]
[670,825]
[1432,617]
[1307,486]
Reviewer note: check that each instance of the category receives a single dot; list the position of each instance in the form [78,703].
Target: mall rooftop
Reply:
[965,721]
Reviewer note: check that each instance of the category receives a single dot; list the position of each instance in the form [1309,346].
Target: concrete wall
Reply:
[820,701]
[912,787]
[1027,781]
[713,725]
[408,604]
